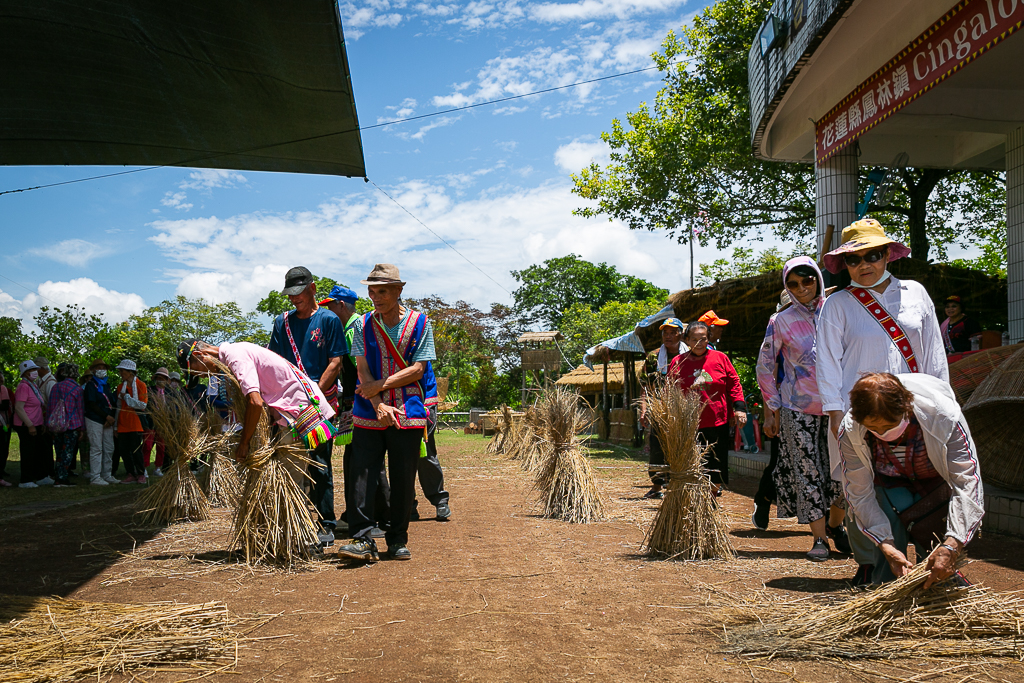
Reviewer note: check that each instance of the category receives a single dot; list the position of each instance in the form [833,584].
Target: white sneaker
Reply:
[111,480]
[157,472]
[45,481]
[28,485]
[99,482]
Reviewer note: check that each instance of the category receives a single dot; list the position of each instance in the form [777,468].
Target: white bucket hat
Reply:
[126,364]
[26,365]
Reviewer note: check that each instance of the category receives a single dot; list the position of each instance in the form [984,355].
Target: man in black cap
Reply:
[313,339]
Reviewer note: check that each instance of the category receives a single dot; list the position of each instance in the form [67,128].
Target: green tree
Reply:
[14,348]
[275,303]
[547,291]
[69,334]
[686,164]
[583,327]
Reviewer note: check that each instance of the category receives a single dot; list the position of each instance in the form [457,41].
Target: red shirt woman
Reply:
[712,374]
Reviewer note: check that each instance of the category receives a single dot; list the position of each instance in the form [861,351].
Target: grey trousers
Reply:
[101,449]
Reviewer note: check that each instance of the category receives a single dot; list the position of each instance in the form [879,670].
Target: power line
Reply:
[30,290]
[187,162]
[447,243]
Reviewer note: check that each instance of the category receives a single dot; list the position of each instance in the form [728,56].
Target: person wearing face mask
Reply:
[878,324]
[712,374]
[30,423]
[909,461]
[803,484]
[100,408]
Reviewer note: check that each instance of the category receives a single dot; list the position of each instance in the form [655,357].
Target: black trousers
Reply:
[718,457]
[369,446]
[34,453]
[382,500]
[657,457]
[321,495]
[431,476]
[766,493]
[129,446]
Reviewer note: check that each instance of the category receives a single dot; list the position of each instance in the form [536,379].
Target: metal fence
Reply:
[805,23]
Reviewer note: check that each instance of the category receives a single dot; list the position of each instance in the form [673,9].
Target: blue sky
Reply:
[494,181]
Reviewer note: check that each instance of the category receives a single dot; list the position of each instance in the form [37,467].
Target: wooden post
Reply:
[604,401]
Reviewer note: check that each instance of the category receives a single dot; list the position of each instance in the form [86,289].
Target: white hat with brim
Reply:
[863,234]
[26,365]
[128,365]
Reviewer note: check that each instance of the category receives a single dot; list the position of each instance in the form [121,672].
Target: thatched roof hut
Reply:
[588,381]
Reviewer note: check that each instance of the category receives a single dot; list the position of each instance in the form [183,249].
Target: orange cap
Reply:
[710,318]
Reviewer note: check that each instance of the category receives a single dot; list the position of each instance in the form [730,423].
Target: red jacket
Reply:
[721,391]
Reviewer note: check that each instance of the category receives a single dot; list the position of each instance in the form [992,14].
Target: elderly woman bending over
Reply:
[903,439]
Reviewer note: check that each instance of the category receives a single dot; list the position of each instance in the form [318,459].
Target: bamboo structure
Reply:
[689,525]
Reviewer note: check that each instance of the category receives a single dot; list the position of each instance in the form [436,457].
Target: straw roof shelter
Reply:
[588,381]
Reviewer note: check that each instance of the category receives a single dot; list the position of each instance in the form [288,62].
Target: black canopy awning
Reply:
[252,85]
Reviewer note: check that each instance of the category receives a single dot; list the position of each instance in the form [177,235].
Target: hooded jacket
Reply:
[791,333]
[951,451]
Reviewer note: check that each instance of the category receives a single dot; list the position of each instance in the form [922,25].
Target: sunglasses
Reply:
[870,257]
[808,281]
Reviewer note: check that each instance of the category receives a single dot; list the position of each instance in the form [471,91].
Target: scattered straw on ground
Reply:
[57,640]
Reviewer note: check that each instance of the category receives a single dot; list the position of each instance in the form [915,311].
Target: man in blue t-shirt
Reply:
[313,339]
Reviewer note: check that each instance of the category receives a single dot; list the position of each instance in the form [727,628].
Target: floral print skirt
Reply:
[805,488]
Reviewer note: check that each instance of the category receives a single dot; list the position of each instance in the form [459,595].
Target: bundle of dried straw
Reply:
[176,496]
[219,478]
[273,521]
[689,524]
[565,478]
[528,440]
[52,639]
[896,619]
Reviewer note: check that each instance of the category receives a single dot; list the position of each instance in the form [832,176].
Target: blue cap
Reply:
[340,293]
[673,322]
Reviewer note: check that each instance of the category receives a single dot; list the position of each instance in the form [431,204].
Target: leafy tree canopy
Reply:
[547,291]
[686,163]
[583,327]
[746,262]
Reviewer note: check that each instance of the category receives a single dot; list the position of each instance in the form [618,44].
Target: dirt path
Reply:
[496,594]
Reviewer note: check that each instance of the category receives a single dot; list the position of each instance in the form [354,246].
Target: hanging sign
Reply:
[967,31]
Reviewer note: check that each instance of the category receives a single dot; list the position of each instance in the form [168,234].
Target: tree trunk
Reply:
[919,186]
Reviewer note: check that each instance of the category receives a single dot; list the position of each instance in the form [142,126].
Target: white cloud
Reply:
[176,200]
[88,294]
[74,252]
[209,178]
[597,9]
[242,257]
[579,154]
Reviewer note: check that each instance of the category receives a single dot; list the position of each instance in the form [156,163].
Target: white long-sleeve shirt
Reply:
[850,342]
[951,450]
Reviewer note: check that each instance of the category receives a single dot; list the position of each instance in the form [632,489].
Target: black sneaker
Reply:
[840,539]
[360,549]
[819,553]
[761,515]
[377,532]
[399,552]
[326,537]
[62,484]
[444,512]
[863,575]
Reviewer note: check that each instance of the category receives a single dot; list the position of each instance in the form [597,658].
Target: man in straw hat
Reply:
[393,347]
[878,324]
[313,339]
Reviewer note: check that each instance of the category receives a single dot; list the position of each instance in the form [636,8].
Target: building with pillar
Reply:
[844,83]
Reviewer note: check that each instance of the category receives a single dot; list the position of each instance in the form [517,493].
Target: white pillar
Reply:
[1015,232]
[835,200]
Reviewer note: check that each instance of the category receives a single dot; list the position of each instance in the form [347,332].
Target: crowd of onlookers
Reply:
[74,426]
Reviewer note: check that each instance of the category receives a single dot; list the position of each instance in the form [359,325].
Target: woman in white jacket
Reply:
[905,435]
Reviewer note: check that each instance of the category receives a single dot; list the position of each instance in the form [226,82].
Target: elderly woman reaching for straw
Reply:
[273,521]
[910,470]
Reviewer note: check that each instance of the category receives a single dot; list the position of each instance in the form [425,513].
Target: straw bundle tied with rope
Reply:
[689,525]
[530,440]
[897,619]
[565,478]
[176,496]
[273,521]
[58,640]
[219,478]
